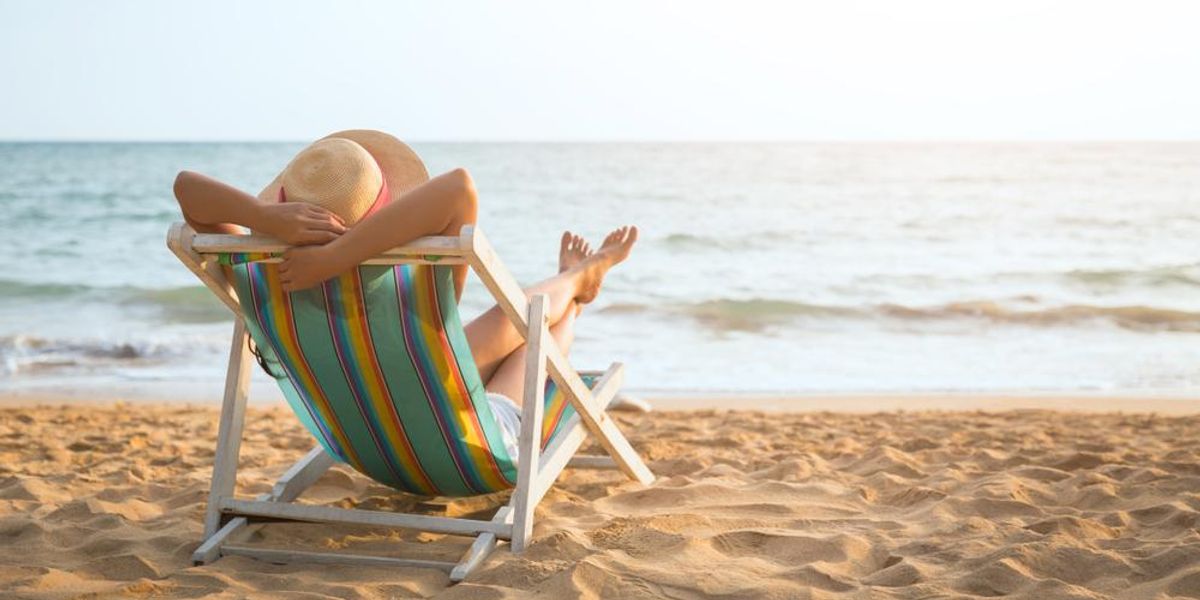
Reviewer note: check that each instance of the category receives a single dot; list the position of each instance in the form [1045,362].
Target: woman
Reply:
[354,194]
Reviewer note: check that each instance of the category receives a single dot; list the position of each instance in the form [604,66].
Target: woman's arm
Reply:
[440,206]
[211,206]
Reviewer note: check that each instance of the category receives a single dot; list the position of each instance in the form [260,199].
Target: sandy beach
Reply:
[105,500]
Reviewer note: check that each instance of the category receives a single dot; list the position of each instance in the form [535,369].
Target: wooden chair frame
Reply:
[229,520]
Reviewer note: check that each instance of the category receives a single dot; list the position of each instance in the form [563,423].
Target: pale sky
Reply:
[609,70]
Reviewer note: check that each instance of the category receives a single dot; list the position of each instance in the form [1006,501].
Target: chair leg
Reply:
[480,548]
[561,451]
[291,484]
[596,418]
[229,433]
[233,530]
[531,423]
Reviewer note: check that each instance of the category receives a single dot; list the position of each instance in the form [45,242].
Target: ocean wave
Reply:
[692,241]
[31,354]
[759,239]
[23,289]
[184,304]
[1144,318]
[188,304]
[1133,280]
[1153,277]
[757,314]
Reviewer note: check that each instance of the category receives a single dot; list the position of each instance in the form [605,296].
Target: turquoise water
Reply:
[762,267]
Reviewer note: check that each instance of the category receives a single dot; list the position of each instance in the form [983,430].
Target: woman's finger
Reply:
[321,212]
[324,227]
[326,224]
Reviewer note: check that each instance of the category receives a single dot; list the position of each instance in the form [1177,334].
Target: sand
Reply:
[101,501]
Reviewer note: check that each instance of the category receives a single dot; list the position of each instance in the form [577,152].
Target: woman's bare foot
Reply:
[572,251]
[616,248]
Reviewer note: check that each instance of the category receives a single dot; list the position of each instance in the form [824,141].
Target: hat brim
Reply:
[401,167]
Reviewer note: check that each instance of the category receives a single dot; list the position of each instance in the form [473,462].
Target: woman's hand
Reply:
[299,223]
[305,267]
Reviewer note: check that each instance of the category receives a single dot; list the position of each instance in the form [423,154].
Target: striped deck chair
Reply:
[376,366]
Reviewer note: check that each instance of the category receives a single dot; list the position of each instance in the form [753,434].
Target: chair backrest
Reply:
[376,365]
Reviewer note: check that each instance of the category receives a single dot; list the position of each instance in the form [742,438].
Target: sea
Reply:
[762,268]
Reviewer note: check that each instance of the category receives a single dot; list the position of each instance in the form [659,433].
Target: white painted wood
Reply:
[229,429]
[623,453]
[557,455]
[480,549]
[291,484]
[531,422]
[396,260]
[496,278]
[234,530]
[215,243]
[301,475]
[179,240]
[565,444]
[327,514]
[282,556]
[598,422]
[210,550]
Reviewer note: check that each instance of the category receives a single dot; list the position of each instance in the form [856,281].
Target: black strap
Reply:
[262,361]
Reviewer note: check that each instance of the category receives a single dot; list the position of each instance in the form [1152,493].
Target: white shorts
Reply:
[508,414]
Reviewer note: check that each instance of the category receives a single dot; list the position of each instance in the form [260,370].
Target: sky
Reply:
[617,70]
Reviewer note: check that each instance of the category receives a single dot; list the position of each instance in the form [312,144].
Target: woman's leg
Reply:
[493,338]
[509,377]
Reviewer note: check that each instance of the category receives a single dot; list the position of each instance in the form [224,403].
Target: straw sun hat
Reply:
[350,173]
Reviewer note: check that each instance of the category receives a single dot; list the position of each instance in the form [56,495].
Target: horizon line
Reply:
[600,141]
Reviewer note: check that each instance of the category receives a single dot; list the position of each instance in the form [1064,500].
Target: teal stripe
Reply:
[414,280]
[251,286]
[316,343]
[399,373]
[448,303]
[352,367]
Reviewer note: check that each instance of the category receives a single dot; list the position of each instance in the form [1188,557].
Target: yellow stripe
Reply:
[289,340]
[367,365]
[463,410]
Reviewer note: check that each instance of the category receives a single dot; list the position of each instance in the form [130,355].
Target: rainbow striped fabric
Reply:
[376,365]
[238,258]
